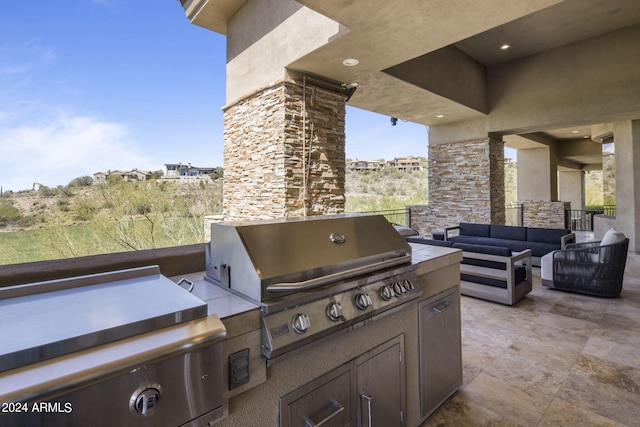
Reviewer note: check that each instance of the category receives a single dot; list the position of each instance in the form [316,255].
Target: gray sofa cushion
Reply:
[479,230]
[508,232]
[483,249]
[431,242]
[546,235]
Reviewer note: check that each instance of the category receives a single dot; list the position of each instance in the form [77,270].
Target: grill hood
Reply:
[266,260]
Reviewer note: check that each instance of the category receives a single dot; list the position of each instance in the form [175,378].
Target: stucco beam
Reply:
[579,147]
[448,72]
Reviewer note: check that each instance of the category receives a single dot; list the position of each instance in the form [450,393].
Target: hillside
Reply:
[83,219]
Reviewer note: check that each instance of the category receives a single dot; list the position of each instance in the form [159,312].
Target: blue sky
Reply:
[93,85]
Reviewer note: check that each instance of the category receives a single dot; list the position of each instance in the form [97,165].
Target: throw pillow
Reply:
[612,236]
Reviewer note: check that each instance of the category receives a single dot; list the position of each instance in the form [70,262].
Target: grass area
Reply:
[82,240]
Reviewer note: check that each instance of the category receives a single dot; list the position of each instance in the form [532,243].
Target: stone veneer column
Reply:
[466,183]
[270,151]
[544,214]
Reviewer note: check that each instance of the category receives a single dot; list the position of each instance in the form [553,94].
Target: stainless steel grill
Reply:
[313,276]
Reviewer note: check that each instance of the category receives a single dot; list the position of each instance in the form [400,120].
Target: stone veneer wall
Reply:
[466,183]
[540,213]
[267,145]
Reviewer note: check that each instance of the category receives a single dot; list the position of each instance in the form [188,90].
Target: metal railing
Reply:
[514,214]
[395,216]
[582,219]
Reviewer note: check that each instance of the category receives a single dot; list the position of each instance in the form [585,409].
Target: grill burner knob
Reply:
[145,399]
[334,311]
[363,301]
[398,289]
[301,323]
[408,285]
[386,292]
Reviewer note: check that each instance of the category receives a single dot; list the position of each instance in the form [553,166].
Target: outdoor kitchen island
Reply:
[394,368]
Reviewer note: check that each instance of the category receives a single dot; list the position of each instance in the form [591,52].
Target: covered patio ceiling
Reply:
[432,62]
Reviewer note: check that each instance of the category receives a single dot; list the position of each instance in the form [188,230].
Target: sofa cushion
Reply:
[476,240]
[546,235]
[520,275]
[508,232]
[425,241]
[612,236]
[480,230]
[483,249]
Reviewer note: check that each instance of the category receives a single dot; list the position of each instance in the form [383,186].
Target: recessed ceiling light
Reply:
[440,116]
[574,131]
[505,46]
[350,62]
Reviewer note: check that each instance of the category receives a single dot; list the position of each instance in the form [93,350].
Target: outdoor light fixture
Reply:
[394,121]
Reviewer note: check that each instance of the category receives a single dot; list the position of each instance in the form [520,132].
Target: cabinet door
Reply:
[380,385]
[440,349]
[325,401]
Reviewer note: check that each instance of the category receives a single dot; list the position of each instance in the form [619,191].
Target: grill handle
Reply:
[323,280]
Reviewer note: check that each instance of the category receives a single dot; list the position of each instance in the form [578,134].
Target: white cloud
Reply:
[63,148]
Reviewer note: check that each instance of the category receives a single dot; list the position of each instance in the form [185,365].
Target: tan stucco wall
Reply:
[537,178]
[571,188]
[265,36]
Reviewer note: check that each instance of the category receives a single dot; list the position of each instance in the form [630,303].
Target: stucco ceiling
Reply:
[391,40]
[384,34]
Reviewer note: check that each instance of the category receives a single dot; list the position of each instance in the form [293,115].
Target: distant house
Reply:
[364,165]
[187,171]
[409,163]
[130,175]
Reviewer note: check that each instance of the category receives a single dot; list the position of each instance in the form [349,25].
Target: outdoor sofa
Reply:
[492,273]
[540,241]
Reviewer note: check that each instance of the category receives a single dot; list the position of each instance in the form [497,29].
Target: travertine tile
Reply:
[553,359]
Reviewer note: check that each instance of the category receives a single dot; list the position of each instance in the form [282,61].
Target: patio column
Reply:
[284,153]
[537,174]
[571,188]
[466,181]
[627,169]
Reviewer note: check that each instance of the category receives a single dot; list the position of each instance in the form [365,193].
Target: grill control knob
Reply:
[398,289]
[363,301]
[334,311]
[408,285]
[301,323]
[145,400]
[386,293]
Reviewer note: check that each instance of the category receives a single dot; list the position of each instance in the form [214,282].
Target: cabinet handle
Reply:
[337,409]
[440,308]
[368,400]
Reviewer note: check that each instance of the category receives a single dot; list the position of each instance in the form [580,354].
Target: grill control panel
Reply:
[296,326]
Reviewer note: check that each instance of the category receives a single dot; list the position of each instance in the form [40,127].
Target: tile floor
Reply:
[554,359]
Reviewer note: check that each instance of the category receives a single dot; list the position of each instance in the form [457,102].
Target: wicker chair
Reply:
[589,268]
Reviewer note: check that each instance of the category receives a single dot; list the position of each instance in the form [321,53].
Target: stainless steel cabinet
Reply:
[440,349]
[380,386]
[368,391]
